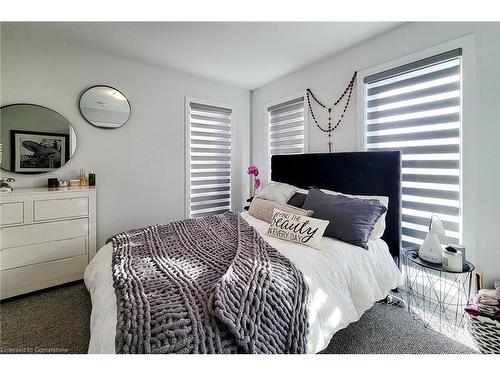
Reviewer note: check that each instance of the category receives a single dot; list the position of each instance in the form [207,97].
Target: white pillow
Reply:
[300,229]
[379,228]
[276,191]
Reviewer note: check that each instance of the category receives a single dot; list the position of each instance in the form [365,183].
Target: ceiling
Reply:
[242,54]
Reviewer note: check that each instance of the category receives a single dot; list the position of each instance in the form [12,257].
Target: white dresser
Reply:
[47,237]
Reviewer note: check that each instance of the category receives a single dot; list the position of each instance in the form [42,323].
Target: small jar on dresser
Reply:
[47,237]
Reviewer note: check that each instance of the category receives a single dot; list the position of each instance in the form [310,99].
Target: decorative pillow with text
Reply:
[297,228]
[263,209]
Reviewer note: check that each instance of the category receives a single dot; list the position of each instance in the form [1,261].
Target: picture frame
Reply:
[36,152]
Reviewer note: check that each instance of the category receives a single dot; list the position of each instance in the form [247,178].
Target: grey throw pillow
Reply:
[351,219]
[297,200]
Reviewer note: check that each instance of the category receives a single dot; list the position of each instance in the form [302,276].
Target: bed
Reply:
[343,280]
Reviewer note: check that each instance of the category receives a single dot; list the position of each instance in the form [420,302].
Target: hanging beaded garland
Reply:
[331,128]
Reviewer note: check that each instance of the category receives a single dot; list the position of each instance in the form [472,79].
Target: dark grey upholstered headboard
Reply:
[362,173]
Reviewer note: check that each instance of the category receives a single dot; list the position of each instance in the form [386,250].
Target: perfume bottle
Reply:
[83,179]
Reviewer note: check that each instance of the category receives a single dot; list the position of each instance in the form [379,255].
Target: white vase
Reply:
[252,186]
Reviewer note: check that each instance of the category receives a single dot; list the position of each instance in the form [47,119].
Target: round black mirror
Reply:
[104,107]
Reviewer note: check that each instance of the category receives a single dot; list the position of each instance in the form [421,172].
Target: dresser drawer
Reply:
[22,277]
[44,232]
[43,252]
[60,208]
[12,213]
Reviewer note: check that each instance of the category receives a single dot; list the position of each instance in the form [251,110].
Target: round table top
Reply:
[412,256]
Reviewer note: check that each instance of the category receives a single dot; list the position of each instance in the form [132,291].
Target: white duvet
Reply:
[344,281]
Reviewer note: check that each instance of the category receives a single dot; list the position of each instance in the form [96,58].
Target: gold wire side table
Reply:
[436,298]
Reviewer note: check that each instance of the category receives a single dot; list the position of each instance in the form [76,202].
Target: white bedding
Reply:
[344,282]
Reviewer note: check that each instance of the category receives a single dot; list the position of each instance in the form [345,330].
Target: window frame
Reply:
[187,150]
[467,139]
[268,125]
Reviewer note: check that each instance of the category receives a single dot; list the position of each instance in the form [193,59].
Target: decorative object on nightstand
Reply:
[253,171]
[436,298]
[454,258]
[430,250]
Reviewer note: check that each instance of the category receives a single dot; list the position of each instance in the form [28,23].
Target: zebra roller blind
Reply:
[416,108]
[209,160]
[286,126]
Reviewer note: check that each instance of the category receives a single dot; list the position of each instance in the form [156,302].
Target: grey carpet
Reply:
[57,321]
[52,321]
[388,329]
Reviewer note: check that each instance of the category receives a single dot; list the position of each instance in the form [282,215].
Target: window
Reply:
[286,127]
[208,160]
[416,108]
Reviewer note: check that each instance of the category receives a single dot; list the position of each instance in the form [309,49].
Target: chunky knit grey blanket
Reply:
[207,285]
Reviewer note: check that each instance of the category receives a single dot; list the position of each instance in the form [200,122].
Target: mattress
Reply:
[344,281]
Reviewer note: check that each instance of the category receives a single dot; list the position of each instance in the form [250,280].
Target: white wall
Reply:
[482,156]
[140,166]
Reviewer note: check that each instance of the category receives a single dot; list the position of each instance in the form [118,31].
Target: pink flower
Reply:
[257,183]
[253,170]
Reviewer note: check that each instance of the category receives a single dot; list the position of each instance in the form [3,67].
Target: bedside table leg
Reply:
[394,298]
